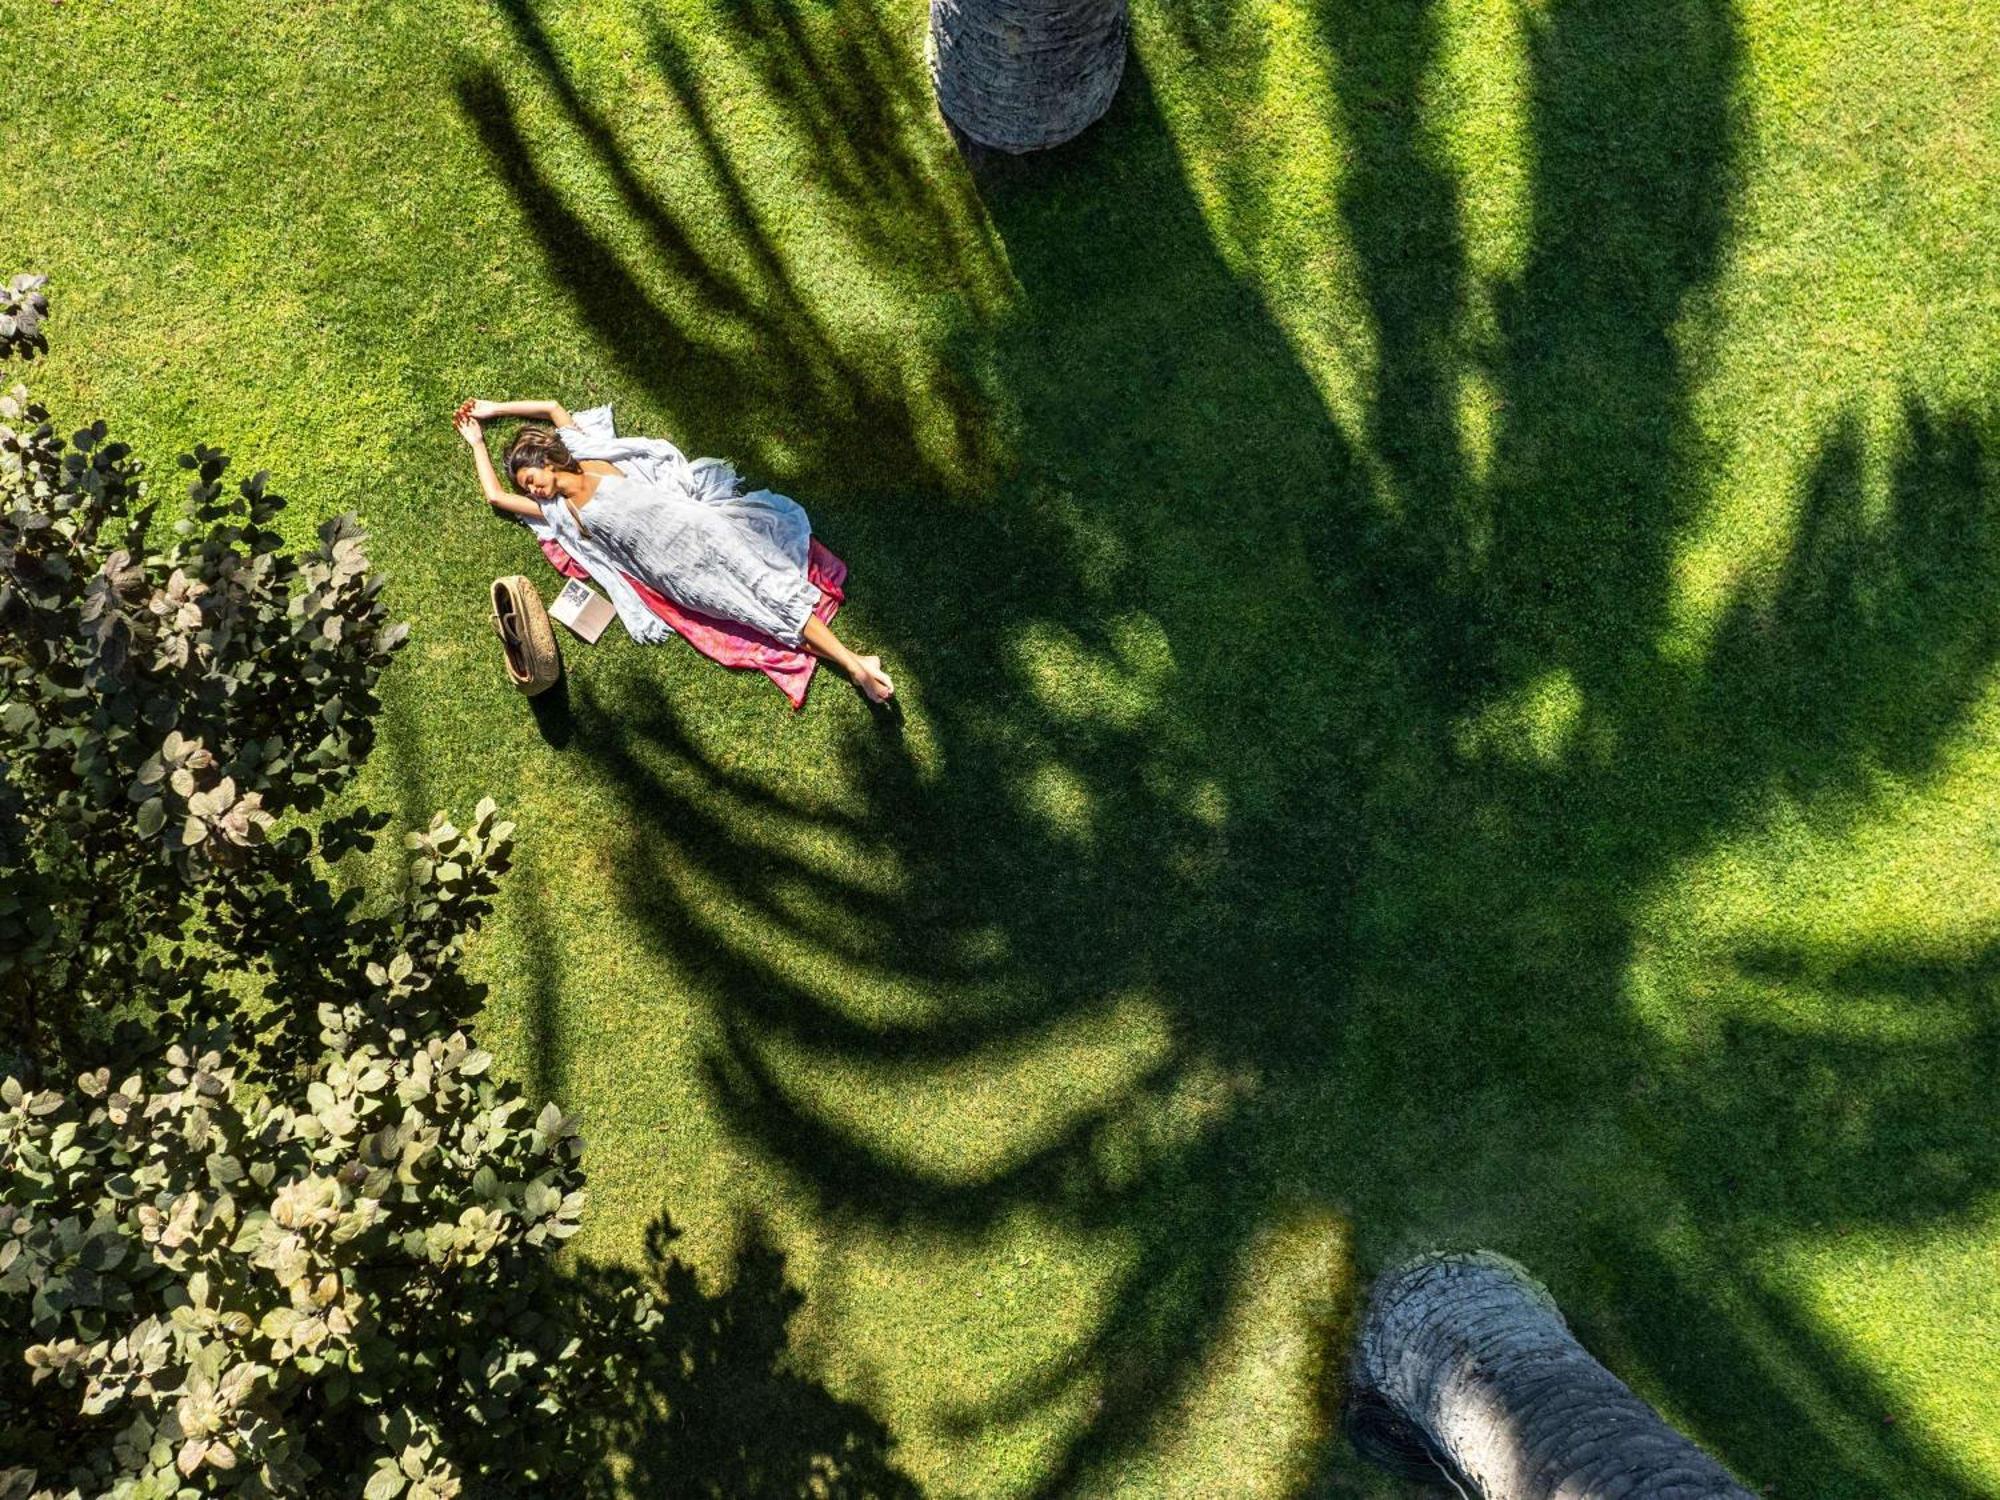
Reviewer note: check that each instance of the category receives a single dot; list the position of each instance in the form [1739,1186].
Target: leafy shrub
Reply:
[285,1235]
[338,1286]
[162,708]
[23,305]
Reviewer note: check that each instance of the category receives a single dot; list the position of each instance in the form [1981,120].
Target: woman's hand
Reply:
[474,411]
[468,427]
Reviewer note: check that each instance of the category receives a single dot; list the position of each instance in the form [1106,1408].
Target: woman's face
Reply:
[536,481]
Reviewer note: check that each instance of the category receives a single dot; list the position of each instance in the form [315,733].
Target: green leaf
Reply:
[384,1484]
[152,817]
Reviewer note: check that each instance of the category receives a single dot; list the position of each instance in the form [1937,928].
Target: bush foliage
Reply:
[267,1224]
[336,1284]
[163,707]
[23,305]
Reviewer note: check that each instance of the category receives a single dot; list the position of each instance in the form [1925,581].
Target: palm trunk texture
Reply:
[1465,1365]
[1023,75]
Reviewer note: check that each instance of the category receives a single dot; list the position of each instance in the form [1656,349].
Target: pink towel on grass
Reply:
[790,667]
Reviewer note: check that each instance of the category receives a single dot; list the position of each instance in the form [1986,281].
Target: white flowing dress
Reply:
[687,529]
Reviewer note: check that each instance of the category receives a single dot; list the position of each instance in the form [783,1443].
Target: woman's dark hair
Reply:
[539,448]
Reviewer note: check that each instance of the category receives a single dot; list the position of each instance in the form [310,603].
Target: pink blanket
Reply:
[790,667]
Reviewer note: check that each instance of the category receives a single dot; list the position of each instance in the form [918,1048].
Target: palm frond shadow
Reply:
[719,1408]
[754,327]
[1248,795]
[1829,1136]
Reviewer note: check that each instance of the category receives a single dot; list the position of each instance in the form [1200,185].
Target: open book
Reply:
[583,609]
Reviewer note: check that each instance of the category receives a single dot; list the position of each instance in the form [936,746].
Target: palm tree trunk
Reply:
[1465,1365]
[1021,75]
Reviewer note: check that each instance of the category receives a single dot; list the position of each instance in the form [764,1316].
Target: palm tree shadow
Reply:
[1826,1138]
[712,1404]
[712,304]
[1205,715]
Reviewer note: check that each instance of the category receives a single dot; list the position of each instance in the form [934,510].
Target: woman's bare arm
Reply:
[545,411]
[489,482]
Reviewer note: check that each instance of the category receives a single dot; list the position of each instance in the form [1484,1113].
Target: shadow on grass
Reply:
[553,719]
[713,305]
[1344,759]
[718,1409]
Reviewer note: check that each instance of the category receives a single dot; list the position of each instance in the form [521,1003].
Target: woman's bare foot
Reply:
[872,680]
[865,672]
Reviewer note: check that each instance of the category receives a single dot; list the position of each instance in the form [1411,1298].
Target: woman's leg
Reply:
[865,672]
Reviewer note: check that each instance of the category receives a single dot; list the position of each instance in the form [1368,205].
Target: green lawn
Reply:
[1442,567]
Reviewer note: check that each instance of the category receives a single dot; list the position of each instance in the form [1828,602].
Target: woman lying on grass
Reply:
[639,507]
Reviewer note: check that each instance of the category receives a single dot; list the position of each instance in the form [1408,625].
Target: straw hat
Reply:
[525,635]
